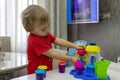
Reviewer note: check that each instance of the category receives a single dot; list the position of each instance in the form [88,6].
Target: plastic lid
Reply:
[92,43]
[42,67]
[62,63]
[40,71]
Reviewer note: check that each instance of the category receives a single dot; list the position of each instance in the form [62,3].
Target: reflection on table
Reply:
[11,61]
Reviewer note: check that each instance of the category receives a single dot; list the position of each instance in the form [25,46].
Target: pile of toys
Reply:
[90,66]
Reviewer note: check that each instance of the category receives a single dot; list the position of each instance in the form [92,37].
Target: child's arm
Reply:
[57,55]
[68,44]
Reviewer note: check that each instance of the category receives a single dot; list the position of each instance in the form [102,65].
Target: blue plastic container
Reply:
[40,74]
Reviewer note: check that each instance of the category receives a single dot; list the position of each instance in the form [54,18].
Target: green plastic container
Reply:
[101,67]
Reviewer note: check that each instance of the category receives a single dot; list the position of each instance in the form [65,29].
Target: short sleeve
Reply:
[52,37]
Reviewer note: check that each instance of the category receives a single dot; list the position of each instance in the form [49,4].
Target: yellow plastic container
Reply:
[42,67]
[93,49]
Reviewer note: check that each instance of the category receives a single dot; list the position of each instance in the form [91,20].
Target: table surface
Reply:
[113,72]
[10,61]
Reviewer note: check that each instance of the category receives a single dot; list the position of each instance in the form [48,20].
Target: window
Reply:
[10,22]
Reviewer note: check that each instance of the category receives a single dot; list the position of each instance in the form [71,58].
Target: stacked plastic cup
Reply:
[43,67]
[62,66]
[79,67]
[40,74]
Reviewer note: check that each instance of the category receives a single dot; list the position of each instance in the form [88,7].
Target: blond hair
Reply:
[32,14]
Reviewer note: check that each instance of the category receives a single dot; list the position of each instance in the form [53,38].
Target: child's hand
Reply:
[74,59]
[80,46]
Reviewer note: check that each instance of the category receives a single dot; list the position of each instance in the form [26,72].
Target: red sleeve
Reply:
[52,37]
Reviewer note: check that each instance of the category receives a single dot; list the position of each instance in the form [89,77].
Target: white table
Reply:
[11,61]
[14,64]
[113,72]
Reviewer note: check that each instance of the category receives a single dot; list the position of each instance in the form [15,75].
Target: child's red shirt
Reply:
[36,46]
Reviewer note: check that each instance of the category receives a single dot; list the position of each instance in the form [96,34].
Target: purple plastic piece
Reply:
[40,74]
[79,67]
[79,71]
[62,66]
